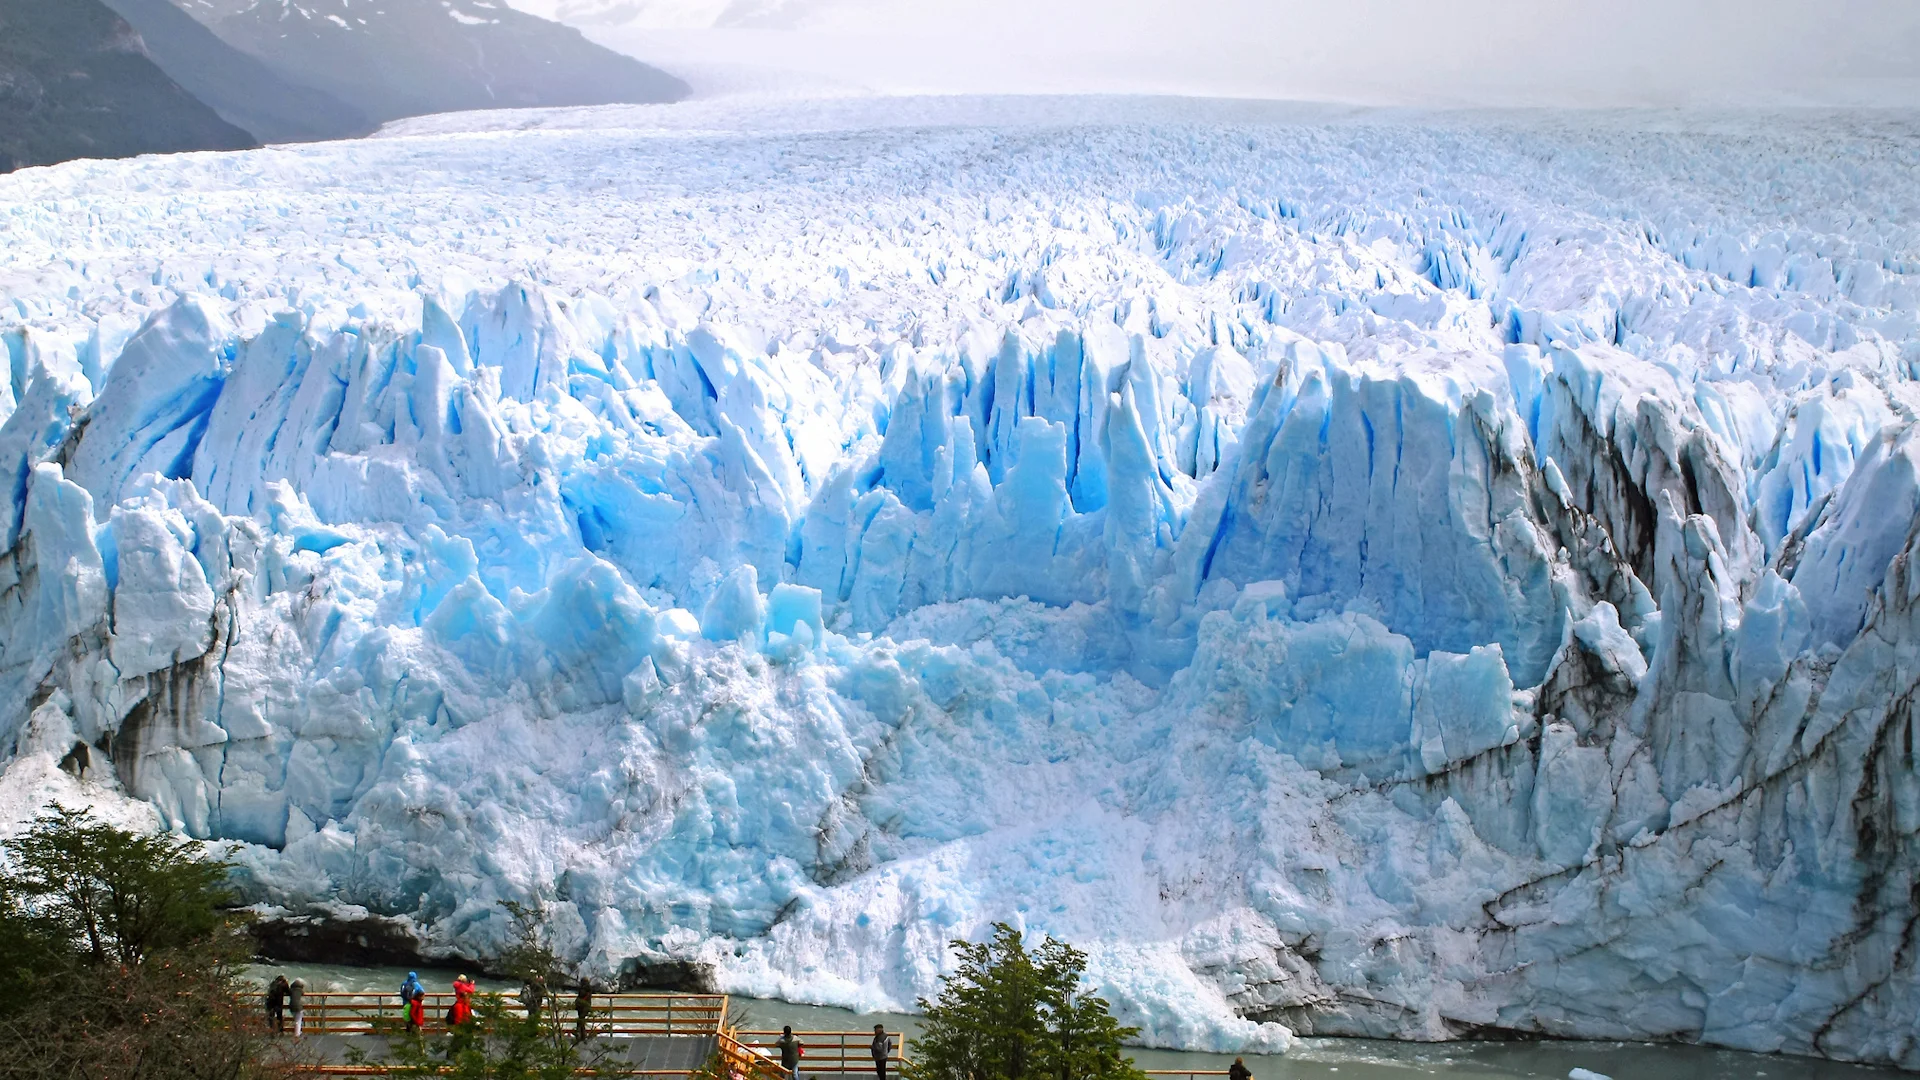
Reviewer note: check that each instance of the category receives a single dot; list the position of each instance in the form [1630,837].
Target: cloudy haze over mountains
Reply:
[1478,52]
[296,70]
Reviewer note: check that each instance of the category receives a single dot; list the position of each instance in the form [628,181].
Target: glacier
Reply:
[1416,575]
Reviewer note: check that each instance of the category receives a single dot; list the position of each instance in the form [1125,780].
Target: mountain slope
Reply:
[410,57]
[242,89]
[75,81]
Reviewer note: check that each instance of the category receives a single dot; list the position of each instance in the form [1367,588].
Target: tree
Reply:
[1010,1013]
[531,953]
[116,960]
[120,895]
[532,959]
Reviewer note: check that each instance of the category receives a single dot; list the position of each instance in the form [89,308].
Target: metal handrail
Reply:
[741,1074]
[828,1050]
[329,1012]
[742,1058]
[745,1063]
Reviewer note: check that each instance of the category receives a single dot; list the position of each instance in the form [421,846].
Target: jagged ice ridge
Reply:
[1353,573]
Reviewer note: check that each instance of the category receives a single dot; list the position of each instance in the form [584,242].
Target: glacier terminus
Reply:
[1414,575]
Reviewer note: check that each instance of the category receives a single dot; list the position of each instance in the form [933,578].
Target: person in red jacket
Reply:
[417,1011]
[462,1000]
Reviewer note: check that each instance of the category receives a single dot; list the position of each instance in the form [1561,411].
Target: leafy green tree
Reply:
[29,954]
[120,895]
[1083,1039]
[532,959]
[1013,1013]
[117,961]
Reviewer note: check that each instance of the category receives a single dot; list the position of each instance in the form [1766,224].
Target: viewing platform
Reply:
[663,1035]
[650,1035]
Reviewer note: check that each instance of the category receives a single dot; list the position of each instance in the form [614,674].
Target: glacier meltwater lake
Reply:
[1426,578]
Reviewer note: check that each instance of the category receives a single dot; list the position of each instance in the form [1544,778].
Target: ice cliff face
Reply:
[1354,575]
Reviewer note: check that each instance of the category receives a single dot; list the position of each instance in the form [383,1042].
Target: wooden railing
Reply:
[742,1062]
[744,1055]
[333,1013]
[829,1052]
[383,1069]
[738,1069]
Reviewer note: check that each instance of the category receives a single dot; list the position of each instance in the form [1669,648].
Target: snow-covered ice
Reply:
[1353,572]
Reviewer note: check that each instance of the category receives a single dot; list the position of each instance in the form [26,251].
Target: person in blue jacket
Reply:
[408,989]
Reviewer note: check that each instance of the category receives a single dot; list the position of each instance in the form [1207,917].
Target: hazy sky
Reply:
[1603,52]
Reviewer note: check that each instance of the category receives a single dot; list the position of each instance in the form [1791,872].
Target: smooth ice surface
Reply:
[1354,573]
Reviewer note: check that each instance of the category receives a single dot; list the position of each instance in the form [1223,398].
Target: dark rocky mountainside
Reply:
[400,58]
[242,89]
[76,81]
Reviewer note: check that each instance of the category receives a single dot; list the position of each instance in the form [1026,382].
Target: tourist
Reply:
[534,995]
[582,1008]
[462,1011]
[276,1002]
[882,1050]
[417,1010]
[408,988]
[297,1003]
[790,1052]
[1239,1071]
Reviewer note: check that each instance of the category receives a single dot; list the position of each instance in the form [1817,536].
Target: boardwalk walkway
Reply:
[655,1035]
[659,1036]
[659,1056]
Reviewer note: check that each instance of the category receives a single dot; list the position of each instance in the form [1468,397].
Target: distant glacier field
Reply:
[1409,575]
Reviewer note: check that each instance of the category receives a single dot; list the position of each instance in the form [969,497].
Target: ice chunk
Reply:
[153,410]
[162,604]
[791,606]
[31,435]
[73,589]
[1868,522]
[736,611]
[588,628]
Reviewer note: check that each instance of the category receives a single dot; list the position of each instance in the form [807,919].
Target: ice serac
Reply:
[1476,601]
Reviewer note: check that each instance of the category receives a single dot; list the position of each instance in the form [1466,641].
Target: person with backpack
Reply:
[276,1003]
[791,1051]
[408,988]
[462,1010]
[534,996]
[582,1008]
[882,1050]
[297,1003]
